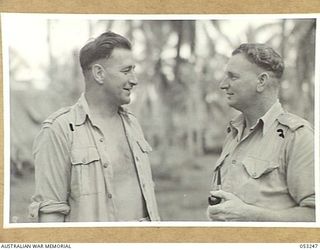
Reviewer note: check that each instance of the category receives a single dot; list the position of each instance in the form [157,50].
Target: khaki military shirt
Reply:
[273,166]
[73,173]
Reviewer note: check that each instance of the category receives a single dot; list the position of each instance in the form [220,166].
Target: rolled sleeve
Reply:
[300,171]
[308,201]
[47,207]
[34,211]
[52,173]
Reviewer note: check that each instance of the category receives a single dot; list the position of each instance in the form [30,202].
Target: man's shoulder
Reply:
[58,116]
[292,121]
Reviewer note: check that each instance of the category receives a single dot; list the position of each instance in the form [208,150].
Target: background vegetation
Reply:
[178,101]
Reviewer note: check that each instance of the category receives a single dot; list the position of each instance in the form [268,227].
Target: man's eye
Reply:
[125,71]
[128,70]
[233,78]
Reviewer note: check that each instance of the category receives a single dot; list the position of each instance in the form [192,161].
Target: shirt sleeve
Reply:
[300,167]
[52,173]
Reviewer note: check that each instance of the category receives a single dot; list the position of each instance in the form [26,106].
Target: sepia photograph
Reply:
[145,120]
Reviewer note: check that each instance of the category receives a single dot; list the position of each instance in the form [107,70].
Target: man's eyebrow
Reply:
[129,67]
[230,73]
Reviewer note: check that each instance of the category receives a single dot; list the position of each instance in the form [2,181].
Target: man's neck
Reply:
[255,112]
[100,105]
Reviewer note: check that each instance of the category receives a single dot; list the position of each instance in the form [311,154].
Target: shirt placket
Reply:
[229,164]
[236,157]
[100,143]
[232,162]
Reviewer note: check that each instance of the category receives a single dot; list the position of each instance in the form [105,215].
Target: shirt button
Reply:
[109,196]
[105,165]
[254,174]
[234,161]
[101,139]
[137,159]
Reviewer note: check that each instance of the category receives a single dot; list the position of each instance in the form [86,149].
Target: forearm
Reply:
[295,214]
[52,217]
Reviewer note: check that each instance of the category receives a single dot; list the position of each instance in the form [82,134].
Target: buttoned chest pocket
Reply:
[258,168]
[142,159]
[262,181]
[144,149]
[86,171]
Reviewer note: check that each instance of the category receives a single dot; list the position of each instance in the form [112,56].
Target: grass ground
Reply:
[182,188]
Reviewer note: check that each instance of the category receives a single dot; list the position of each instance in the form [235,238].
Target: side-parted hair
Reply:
[101,47]
[263,56]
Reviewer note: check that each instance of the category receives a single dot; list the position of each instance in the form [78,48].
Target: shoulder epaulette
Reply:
[293,122]
[56,114]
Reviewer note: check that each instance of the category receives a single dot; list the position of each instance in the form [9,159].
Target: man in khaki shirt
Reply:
[266,169]
[91,159]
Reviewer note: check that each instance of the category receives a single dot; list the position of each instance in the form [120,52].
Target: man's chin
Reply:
[125,101]
[232,104]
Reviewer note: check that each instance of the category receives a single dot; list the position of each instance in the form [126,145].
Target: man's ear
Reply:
[262,81]
[98,73]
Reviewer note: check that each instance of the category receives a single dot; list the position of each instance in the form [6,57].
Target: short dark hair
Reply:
[101,47]
[263,56]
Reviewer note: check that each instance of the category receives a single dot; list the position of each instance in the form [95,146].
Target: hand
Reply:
[231,208]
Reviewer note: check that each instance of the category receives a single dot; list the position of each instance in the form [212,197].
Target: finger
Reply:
[214,209]
[213,214]
[218,193]
[222,194]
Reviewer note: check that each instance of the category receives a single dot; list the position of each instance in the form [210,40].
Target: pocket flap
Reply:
[257,167]
[220,160]
[84,155]
[144,145]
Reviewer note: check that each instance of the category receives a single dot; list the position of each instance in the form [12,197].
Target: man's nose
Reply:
[133,80]
[224,84]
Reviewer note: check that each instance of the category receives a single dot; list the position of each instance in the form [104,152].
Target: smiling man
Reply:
[266,169]
[91,159]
